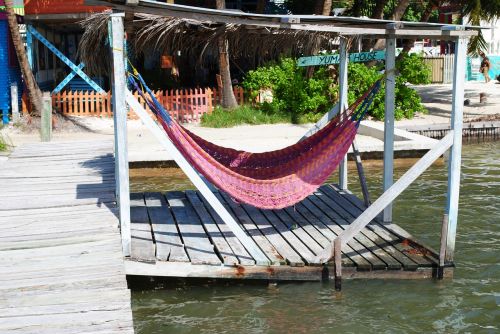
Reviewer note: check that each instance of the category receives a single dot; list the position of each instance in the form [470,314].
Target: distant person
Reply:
[485,66]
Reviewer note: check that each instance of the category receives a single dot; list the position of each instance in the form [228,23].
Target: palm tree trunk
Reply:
[228,98]
[34,93]
[318,7]
[397,15]
[261,6]
[378,13]
[327,7]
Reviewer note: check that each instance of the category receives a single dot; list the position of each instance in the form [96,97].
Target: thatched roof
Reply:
[196,39]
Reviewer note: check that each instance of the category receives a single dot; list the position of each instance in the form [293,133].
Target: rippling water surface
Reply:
[470,303]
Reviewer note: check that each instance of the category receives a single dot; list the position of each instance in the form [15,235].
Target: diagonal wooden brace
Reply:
[388,196]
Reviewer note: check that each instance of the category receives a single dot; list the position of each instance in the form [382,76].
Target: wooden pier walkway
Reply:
[177,234]
[60,249]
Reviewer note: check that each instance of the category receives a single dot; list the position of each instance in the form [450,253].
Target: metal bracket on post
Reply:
[344,60]
[390,84]
[120,121]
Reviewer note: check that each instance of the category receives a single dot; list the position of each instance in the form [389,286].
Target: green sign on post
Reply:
[335,59]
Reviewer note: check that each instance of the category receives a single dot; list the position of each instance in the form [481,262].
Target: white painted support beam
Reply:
[344,60]
[120,123]
[388,196]
[198,181]
[457,106]
[390,85]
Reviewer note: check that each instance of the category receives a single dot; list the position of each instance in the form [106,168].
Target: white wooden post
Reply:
[390,81]
[120,123]
[344,60]
[14,102]
[454,162]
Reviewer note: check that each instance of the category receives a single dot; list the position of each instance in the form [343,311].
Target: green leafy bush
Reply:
[411,70]
[306,100]
[293,94]
[221,118]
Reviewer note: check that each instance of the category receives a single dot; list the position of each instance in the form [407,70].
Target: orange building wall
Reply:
[32,7]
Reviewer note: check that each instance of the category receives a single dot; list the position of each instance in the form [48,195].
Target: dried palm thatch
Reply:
[197,40]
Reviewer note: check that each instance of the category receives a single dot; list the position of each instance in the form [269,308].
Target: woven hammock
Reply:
[269,180]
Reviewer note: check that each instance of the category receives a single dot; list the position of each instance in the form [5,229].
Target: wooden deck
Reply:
[177,234]
[60,247]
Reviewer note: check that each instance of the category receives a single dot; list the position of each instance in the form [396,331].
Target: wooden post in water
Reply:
[442,249]
[390,84]
[337,255]
[46,117]
[14,101]
[457,105]
[120,123]
[344,59]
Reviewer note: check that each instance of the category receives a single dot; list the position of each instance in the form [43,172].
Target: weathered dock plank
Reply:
[60,247]
[198,247]
[142,246]
[239,250]
[169,246]
[215,235]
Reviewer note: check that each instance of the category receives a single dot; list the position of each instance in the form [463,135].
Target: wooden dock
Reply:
[60,246]
[177,234]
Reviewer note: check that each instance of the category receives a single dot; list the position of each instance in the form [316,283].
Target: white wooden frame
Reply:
[343,88]
[383,203]
[120,124]
[390,102]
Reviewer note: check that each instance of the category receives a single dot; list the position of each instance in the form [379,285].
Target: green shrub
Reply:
[411,70]
[292,93]
[306,100]
[221,118]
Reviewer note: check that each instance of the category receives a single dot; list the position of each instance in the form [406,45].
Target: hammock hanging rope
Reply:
[269,180]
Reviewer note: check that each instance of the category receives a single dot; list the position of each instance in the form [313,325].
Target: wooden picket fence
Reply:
[441,68]
[185,105]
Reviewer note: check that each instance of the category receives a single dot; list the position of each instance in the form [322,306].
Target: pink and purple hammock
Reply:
[269,180]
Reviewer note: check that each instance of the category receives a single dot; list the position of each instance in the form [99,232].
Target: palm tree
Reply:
[323,7]
[34,93]
[477,11]
[228,98]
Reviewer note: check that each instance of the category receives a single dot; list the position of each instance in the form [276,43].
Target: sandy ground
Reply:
[144,147]
[437,100]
